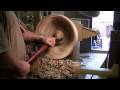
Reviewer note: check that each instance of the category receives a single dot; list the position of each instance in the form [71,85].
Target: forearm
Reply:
[20,67]
[9,59]
[30,36]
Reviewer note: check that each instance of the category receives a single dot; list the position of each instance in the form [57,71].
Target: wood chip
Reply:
[52,69]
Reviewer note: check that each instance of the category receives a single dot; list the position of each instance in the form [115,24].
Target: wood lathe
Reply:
[55,65]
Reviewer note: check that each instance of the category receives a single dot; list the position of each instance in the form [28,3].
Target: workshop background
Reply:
[91,53]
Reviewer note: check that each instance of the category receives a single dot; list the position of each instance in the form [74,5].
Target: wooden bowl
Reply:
[64,30]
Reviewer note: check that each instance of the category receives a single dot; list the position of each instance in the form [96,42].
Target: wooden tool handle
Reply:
[35,55]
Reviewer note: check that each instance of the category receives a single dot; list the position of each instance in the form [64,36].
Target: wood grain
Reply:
[53,23]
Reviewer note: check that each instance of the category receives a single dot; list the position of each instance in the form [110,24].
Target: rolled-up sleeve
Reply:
[3,40]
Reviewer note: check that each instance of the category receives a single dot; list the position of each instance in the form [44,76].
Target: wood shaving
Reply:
[52,69]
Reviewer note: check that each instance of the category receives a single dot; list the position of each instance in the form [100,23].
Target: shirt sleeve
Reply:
[3,40]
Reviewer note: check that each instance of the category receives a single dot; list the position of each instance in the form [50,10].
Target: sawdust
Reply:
[52,69]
